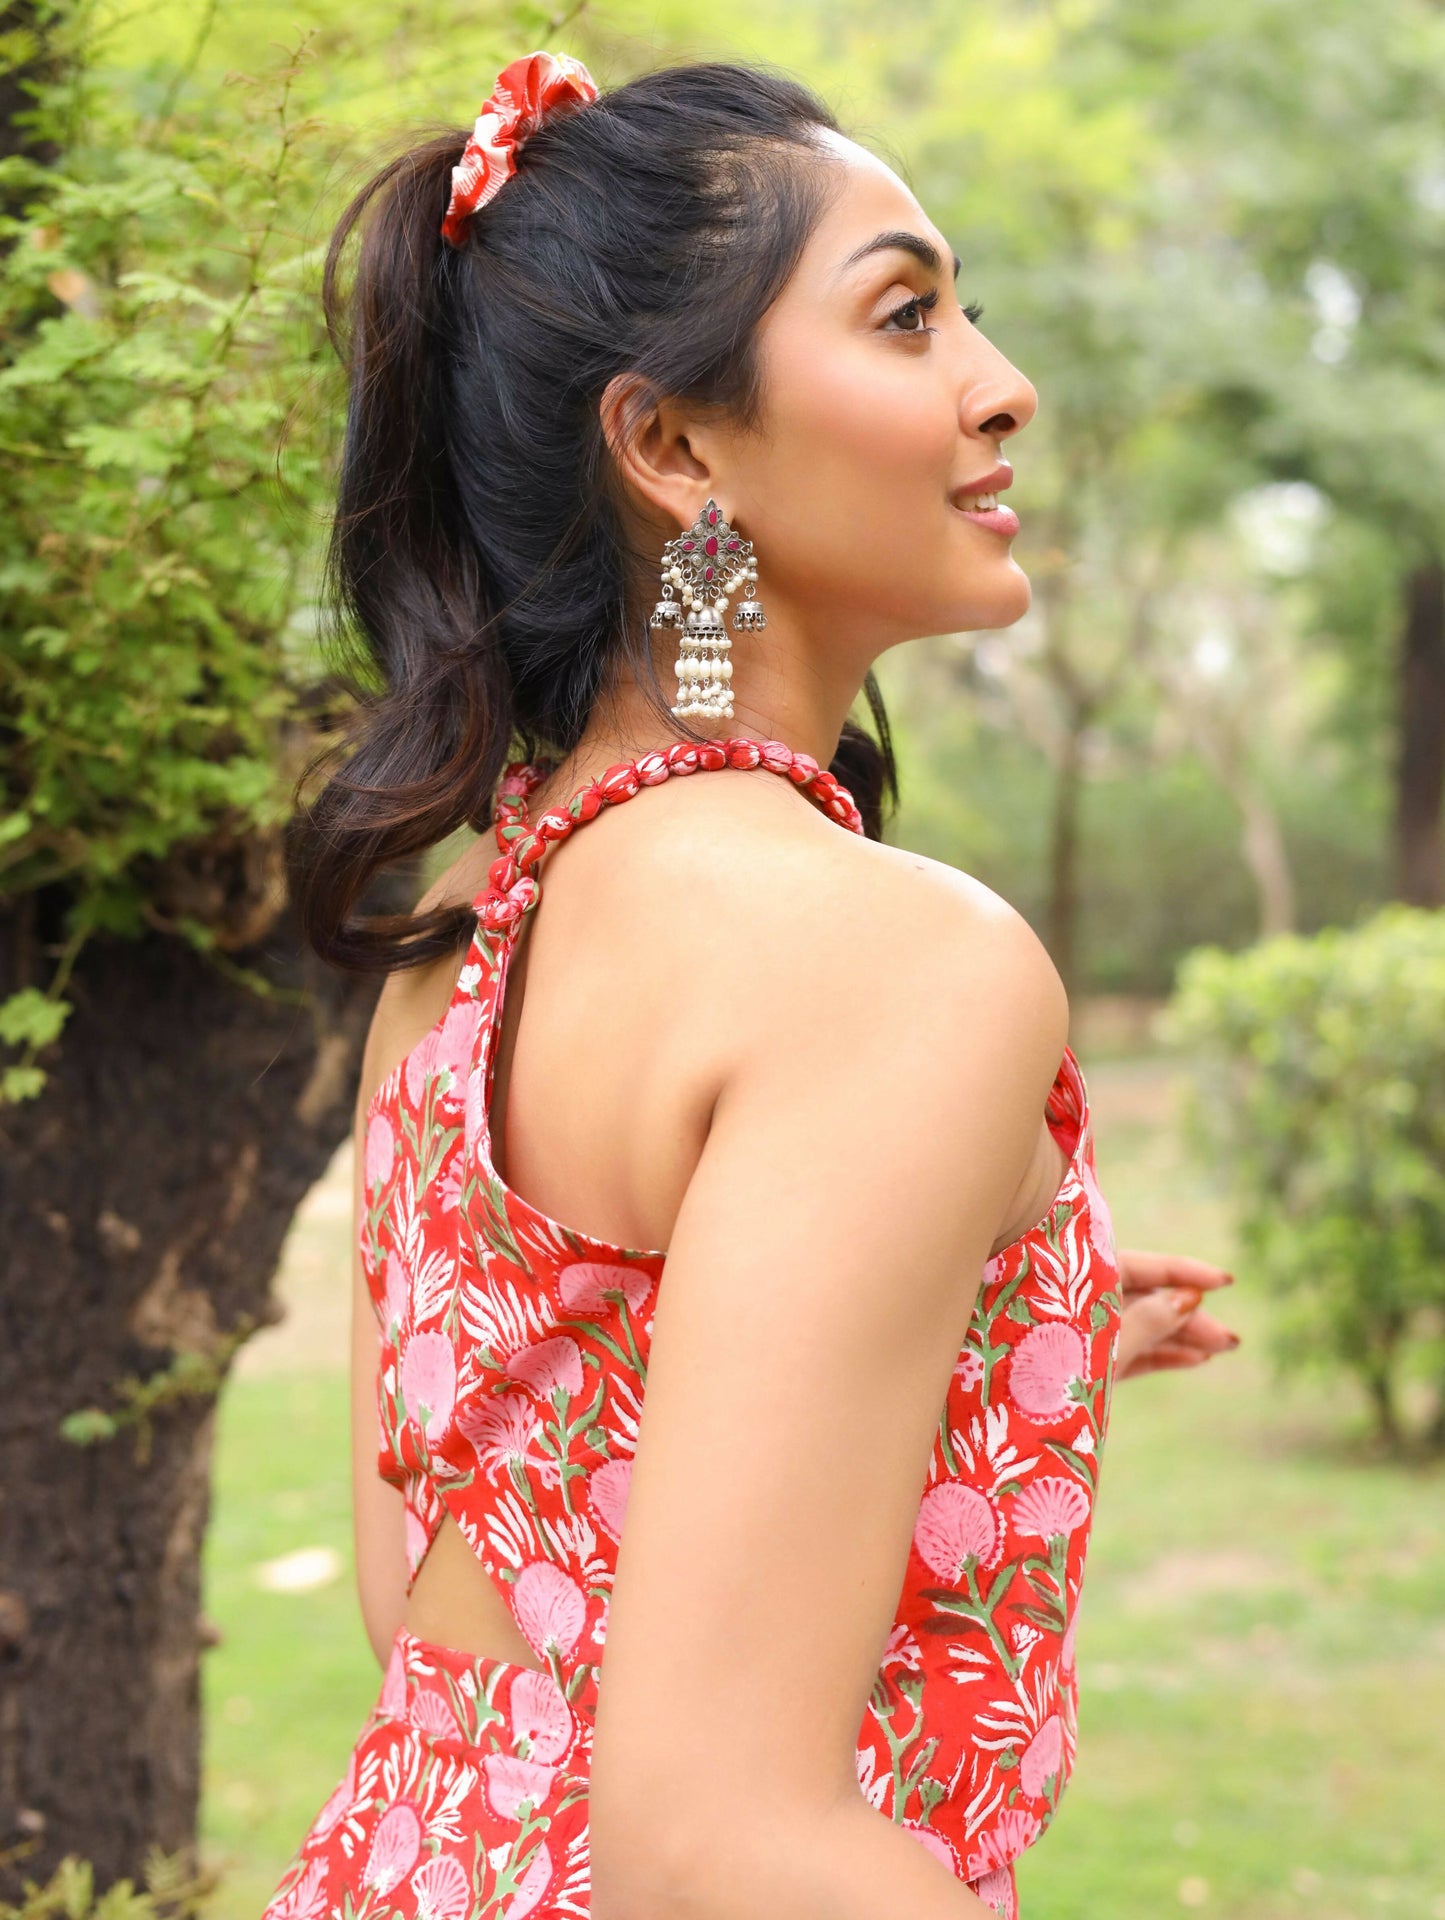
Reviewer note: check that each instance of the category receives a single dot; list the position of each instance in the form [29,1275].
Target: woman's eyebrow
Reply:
[901,241]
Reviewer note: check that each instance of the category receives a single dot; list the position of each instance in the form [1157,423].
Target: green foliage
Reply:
[171,1892]
[1321,1096]
[189,1374]
[159,341]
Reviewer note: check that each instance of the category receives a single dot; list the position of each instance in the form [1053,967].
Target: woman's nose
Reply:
[1001,403]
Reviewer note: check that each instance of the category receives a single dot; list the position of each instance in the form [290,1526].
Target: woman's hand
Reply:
[1162,1324]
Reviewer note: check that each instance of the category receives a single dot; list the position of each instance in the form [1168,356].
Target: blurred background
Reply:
[1208,766]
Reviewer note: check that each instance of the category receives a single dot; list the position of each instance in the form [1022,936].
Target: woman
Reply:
[620,364]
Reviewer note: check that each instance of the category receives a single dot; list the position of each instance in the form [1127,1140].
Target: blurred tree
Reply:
[1071,216]
[1312,132]
[178,1072]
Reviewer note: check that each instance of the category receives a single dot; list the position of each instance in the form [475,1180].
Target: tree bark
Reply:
[1063,940]
[145,1194]
[17,18]
[1267,858]
[1420,768]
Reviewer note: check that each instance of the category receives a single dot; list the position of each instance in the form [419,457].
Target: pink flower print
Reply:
[607,1488]
[1044,1366]
[938,1844]
[969,1369]
[420,1064]
[342,1797]
[501,1429]
[397,1291]
[450,1182]
[475,1112]
[510,1781]
[417,1538]
[996,1890]
[957,1524]
[599,1625]
[532,1888]
[432,1712]
[441,1889]
[380,1150]
[1066,1645]
[392,1699]
[1101,1221]
[307,1899]
[994,1270]
[541,1717]
[1015,1831]
[873,1785]
[429,1382]
[455,1045]
[1042,1757]
[584,1285]
[1050,1506]
[548,1365]
[394,1848]
[550,1608]
[900,1649]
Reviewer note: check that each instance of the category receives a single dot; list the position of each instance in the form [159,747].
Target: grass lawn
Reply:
[1261,1645]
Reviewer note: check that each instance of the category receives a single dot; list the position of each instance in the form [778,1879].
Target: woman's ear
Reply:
[658,450]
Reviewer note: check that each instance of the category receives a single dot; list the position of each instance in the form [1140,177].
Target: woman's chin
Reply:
[1001,606]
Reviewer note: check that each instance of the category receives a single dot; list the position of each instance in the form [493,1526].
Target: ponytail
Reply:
[477,571]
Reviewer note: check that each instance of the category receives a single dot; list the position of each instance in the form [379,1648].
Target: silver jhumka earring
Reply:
[702,567]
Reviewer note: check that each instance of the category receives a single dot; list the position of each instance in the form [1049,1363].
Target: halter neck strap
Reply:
[513,888]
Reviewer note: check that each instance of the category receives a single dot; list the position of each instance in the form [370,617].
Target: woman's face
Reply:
[881,405]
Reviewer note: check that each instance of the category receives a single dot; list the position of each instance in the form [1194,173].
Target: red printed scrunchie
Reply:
[527,92]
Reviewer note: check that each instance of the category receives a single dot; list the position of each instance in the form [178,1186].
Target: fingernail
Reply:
[1186,1299]
[1232,1341]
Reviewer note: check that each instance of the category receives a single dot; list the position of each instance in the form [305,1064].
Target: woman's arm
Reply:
[820,1279]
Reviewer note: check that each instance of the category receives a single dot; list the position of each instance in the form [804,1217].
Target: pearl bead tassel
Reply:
[700,569]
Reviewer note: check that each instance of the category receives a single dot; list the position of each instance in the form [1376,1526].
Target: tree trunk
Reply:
[1420,768]
[1064,851]
[20,19]
[146,1194]
[1267,858]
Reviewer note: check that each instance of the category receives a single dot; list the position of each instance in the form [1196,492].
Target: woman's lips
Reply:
[999,519]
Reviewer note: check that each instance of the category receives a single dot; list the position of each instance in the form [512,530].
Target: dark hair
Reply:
[478,569]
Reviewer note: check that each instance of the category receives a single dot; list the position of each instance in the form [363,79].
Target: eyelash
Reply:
[926,302]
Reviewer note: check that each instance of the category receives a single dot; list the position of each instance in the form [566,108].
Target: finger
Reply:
[1142,1271]
[1158,1359]
[1152,1317]
[1201,1329]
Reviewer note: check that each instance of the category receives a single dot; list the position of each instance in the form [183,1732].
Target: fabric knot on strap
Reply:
[504,906]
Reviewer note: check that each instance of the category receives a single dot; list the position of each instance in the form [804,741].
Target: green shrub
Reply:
[171,1892]
[1320,1093]
[161,350]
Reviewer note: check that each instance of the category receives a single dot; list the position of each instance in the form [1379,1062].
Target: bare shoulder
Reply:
[745,886]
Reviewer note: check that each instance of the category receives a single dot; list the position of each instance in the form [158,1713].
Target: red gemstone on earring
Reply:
[712,516]
[709,546]
[733,545]
[707,573]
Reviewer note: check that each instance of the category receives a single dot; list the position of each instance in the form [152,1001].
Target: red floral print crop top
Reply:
[514,1364]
